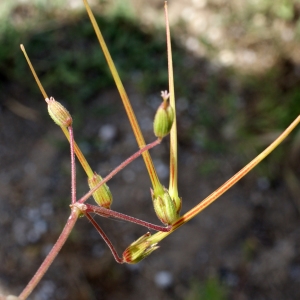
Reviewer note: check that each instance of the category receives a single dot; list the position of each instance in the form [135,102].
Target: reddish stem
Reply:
[105,212]
[73,166]
[105,238]
[52,254]
[119,168]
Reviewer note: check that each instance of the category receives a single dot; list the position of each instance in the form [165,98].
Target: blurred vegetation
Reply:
[211,289]
[224,103]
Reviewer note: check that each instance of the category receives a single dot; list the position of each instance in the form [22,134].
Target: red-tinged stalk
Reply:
[105,212]
[119,168]
[105,238]
[52,254]
[85,165]
[78,152]
[158,189]
[173,189]
[227,185]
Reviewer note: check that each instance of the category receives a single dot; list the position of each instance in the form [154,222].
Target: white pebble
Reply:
[163,279]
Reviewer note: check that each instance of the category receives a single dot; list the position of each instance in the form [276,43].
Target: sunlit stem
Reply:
[173,190]
[73,166]
[119,168]
[105,212]
[133,121]
[227,185]
[105,238]
[52,254]
[78,152]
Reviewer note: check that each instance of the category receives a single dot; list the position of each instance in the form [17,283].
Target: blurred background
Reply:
[237,85]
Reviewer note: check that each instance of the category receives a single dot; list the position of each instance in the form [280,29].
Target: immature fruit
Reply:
[102,196]
[139,249]
[58,113]
[165,207]
[164,118]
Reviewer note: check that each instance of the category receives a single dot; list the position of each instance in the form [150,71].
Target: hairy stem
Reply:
[105,238]
[105,212]
[52,254]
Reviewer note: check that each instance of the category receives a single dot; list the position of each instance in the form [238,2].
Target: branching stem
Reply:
[119,168]
[105,238]
[105,212]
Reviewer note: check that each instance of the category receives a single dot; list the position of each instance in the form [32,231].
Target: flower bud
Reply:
[102,196]
[58,113]
[164,117]
[139,249]
[165,207]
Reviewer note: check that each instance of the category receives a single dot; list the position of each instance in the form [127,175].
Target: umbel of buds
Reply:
[165,207]
[139,249]
[58,113]
[164,117]
[102,196]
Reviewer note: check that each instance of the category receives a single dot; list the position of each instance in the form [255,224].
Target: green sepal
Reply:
[102,196]
[139,249]
[165,207]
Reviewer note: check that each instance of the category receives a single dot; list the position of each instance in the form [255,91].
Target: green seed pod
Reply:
[139,249]
[165,207]
[58,113]
[164,118]
[102,196]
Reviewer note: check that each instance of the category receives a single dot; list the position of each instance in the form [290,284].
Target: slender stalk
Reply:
[119,168]
[227,185]
[173,190]
[78,152]
[105,238]
[85,165]
[105,212]
[73,166]
[52,254]
[130,113]
[33,72]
